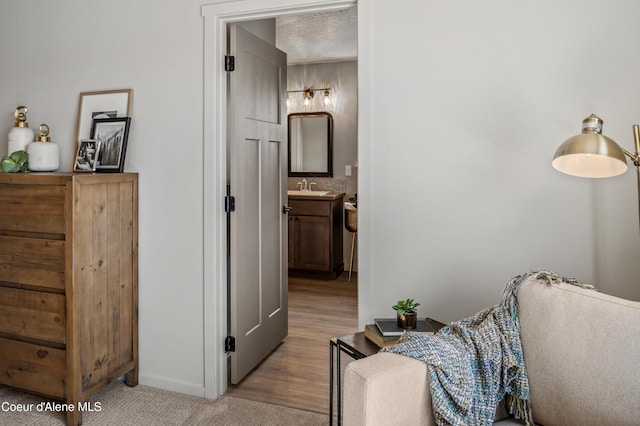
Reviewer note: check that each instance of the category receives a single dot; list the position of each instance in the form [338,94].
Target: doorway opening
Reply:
[216,17]
[319,307]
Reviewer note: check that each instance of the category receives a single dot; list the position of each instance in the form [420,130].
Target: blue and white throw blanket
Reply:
[475,362]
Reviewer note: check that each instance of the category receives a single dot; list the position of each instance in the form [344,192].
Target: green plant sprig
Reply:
[405,306]
[18,161]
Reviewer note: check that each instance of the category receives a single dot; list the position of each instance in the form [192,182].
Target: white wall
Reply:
[463,104]
[52,51]
[467,102]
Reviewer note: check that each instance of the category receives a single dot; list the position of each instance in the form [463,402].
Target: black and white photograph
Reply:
[87,155]
[103,114]
[112,134]
[101,104]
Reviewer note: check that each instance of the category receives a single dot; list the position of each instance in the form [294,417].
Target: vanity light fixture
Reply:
[327,100]
[593,155]
[308,95]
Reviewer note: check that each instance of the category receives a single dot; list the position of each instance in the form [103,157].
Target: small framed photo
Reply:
[87,155]
[101,104]
[112,134]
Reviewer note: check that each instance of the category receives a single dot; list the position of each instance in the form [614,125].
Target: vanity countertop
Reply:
[331,195]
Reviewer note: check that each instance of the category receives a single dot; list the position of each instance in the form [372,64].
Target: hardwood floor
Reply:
[296,374]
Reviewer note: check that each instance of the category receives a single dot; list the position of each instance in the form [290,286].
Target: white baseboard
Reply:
[171,385]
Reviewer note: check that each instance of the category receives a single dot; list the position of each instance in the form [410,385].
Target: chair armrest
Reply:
[387,389]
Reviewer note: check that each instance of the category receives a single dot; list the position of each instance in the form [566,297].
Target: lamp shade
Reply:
[590,154]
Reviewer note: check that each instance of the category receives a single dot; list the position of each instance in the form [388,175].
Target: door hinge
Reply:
[229,344]
[229,63]
[229,204]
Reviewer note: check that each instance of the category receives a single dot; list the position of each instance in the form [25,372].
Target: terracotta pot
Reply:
[408,321]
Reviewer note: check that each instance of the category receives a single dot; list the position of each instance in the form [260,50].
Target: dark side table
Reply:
[357,347]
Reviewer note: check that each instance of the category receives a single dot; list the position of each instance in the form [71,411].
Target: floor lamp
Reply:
[593,155]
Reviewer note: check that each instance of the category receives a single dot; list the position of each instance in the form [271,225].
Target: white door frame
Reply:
[216,17]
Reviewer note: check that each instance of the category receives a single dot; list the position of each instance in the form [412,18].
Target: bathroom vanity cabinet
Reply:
[68,284]
[315,235]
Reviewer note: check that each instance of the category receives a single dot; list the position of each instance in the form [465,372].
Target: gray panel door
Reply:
[258,181]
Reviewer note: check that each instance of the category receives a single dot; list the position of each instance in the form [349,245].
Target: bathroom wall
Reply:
[342,79]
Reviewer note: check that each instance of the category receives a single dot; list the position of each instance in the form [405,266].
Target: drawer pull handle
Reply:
[42,353]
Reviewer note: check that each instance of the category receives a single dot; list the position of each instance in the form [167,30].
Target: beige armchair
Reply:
[582,356]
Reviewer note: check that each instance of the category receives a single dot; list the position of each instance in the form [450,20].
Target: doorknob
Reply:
[286,209]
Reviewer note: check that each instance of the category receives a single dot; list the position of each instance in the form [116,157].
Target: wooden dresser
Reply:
[315,235]
[68,284]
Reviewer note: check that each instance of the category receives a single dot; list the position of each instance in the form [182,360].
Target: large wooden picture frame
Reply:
[101,104]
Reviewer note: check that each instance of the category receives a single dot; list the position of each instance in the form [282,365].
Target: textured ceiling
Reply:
[319,37]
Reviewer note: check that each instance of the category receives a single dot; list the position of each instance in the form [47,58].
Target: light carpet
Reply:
[144,405]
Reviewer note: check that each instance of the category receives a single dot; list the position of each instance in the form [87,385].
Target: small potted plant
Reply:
[407,313]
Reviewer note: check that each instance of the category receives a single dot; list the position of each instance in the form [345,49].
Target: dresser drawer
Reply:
[32,261]
[32,314]
[310,208]
[32,367]
[32,208]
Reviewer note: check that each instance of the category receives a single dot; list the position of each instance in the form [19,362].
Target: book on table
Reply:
[372,333]
[389,327]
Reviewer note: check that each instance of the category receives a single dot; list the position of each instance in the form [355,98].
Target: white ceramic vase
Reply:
[19,138]
[44,155]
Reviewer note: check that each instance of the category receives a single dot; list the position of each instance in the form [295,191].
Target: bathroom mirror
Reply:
[311,144]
